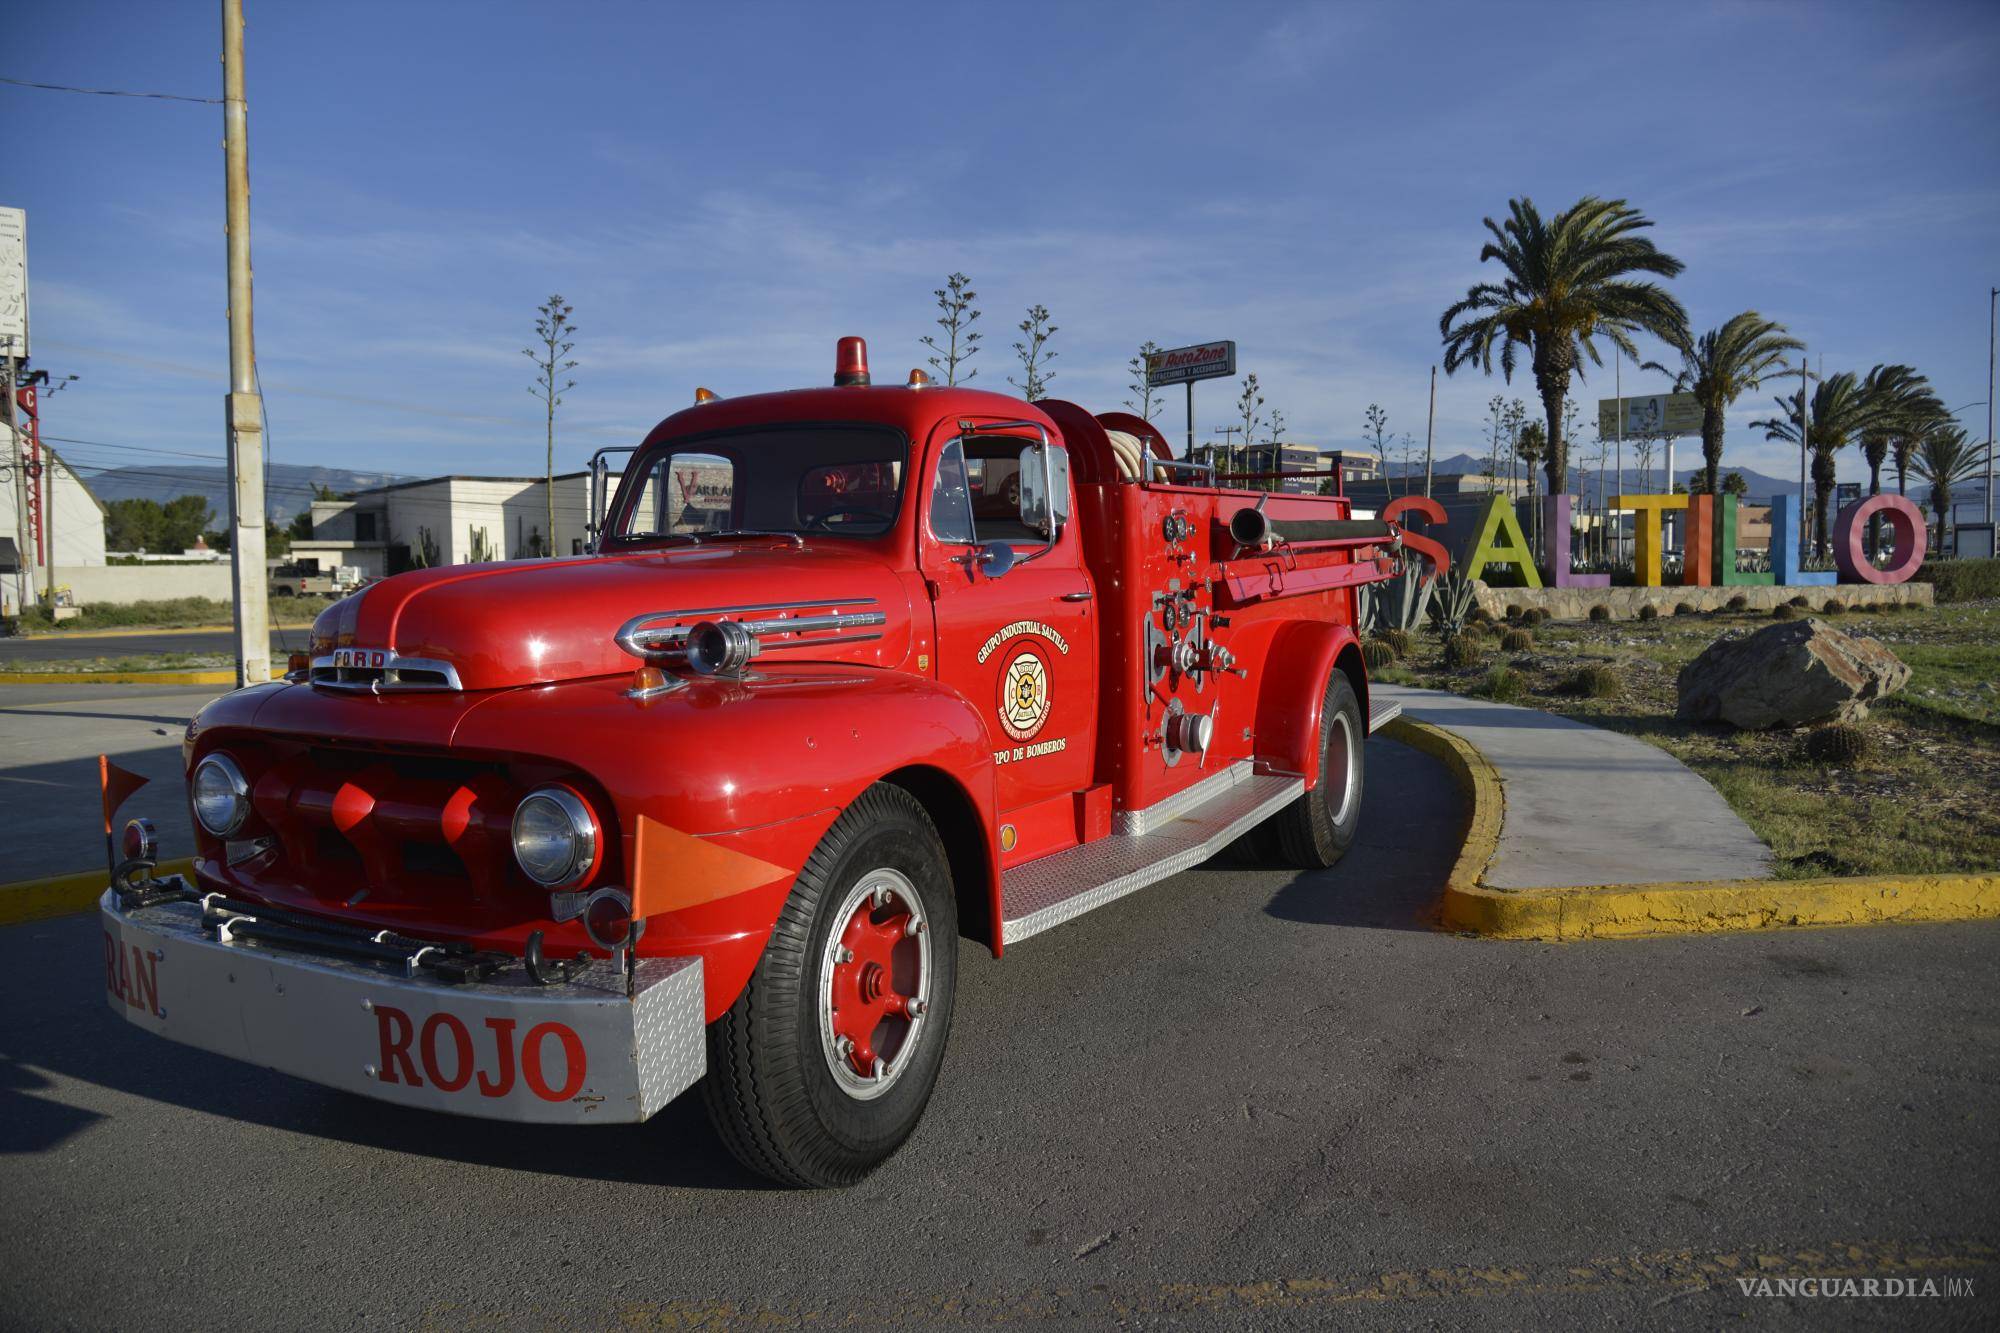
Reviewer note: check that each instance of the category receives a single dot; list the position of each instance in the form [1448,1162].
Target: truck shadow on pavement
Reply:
[61,1034]
[1412,825]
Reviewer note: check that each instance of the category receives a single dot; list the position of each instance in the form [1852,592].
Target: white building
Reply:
[72,523]
[388,529]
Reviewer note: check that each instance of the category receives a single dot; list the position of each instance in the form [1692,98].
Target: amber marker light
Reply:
[705,396]
[919,380]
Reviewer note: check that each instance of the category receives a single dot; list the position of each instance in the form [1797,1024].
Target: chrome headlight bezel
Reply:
[235,789]
[580,830]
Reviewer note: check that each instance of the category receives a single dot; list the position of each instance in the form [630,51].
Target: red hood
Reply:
[537,622]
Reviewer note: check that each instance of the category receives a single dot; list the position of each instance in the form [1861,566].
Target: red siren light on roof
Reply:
[850,362]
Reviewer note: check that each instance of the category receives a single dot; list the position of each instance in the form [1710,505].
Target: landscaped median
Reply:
[64,895]
[1625,910]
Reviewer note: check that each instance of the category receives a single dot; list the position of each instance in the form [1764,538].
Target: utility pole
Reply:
[1430,432]
[244,408]
[1190,391]
[17,463]
[1618,416]
[1992,305]
[49,522]
[1804,374]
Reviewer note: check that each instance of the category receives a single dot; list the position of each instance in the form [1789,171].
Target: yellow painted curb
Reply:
[1617,911]
[61,895]
[214,677]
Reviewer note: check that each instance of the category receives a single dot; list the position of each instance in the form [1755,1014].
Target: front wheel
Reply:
[1316,830]
[823,1066]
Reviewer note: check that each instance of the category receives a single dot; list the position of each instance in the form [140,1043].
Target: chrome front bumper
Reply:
[503,1049]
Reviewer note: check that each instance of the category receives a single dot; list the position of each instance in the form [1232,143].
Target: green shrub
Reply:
[1503,685]
[1961,580]
[1376,655]
[1684,608]
[1398,641]
[1463,650]
[1784,611]
[1600,612]
[1517,641]
[1833,606]
[1837,745]
[1739,603]
[1595,682]
[1649,612]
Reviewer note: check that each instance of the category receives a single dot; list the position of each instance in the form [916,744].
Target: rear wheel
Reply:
[823,1066]
[1316,830]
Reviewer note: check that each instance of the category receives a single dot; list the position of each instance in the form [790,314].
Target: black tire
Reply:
[1316,830]
[771,1090]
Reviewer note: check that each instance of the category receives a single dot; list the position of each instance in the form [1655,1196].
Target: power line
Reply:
[112,92]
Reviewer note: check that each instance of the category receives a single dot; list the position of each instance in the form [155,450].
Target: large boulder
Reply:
[1790,674]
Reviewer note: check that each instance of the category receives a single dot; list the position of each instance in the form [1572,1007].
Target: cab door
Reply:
[1021,645]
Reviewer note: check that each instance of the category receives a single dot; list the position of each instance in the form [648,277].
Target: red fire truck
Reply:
[849,673]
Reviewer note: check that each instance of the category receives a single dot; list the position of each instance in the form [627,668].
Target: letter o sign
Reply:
[1906,523]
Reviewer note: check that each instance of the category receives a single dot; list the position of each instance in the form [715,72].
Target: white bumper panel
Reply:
[503,1049]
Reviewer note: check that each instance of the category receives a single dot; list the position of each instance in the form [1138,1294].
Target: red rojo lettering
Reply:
[132,976]
[496,1078]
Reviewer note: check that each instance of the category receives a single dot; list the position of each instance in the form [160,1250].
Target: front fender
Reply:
[723,788]
[1303,654]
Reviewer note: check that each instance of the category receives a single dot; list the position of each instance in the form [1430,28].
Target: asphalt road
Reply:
[1239,1099]
[20,654]
[50,737]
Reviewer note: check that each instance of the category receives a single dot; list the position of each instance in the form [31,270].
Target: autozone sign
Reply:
[1203,361]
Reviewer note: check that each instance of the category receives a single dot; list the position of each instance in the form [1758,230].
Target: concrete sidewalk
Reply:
[1586,806]
[50,737]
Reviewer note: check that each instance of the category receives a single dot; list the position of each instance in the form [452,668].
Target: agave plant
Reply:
[1399,605]
[1457,594]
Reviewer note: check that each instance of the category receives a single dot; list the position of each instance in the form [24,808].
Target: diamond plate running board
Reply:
[1381,713]
[1053,889]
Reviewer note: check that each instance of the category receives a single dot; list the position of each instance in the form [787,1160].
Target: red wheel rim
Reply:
[874,983]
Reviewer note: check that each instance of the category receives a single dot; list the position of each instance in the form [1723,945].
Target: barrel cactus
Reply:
[1596,682]
[1463,650]
[1518,641]
[1684,608]
[1739,603]
[1398,641]
[1649,612]
[1600,612]
[1833,606]
[1784,611]
[1377,655]
[1802,602]
[1838,745]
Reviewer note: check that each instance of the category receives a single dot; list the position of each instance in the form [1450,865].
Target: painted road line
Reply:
[1618,911]
[63,895]
[218,676]
[143,631]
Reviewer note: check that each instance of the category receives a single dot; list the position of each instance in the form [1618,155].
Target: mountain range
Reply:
[1584,480]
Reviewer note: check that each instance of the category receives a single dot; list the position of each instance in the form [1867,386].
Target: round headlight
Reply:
[555,837]
[221,796]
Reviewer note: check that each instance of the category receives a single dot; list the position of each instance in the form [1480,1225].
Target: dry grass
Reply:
[1923,801]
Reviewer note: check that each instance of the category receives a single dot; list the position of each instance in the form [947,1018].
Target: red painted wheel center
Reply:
[874,984]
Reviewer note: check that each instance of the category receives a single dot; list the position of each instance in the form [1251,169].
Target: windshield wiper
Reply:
[797,539]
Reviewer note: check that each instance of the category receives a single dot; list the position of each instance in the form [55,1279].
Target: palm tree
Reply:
[1567,283]
[1904,409]
[1532,445]
[1943,458]
[1723,364]
[1840,410]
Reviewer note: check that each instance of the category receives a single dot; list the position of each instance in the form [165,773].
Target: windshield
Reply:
[819,480]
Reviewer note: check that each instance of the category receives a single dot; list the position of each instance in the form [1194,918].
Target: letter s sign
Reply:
[1433,511]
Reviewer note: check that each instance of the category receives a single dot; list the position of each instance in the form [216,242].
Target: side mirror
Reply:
[1044,479]
[995,559]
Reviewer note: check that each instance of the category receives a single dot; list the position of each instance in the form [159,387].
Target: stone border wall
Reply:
[1575,603]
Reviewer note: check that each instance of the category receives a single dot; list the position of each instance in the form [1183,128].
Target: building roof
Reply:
[76,476]
[457,476]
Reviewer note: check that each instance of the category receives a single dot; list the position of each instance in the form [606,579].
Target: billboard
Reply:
[14,279]
[1181,365]
[1658,415]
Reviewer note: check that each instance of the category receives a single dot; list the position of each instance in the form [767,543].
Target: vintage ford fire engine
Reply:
[849,673]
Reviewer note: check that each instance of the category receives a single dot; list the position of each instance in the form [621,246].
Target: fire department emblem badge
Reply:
[1024,695]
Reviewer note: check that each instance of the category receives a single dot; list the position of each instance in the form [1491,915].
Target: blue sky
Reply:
[724,190]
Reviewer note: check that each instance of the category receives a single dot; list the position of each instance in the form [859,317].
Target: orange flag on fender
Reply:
[118,785]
